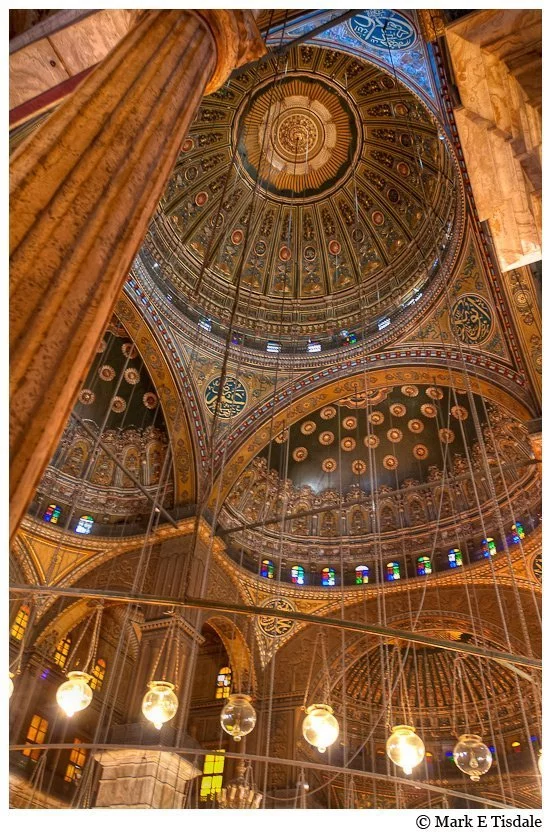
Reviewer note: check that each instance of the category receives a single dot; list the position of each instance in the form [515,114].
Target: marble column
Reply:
[146,779]
[83,189]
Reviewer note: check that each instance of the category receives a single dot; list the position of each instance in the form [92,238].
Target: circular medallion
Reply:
[394,435]
[403,168]
[398,409]
[350,423]
[129,351]
[284,253]
[359,467]
[300,454]
[358,235]
[131,375]
[282,436]
[406,140]
[393,195]
[435,393]
[378,217]
[372,441]
[191,173]
[416,425]
[86,397]
[376,418]
[446,435]
[410,390]
[276,627]
[459,412]
[400,109]
[429,410]
[329,465]
[348,443]
[390,462]
[118,404]
[237,237]
[326,437]
[231,400]
[187,145]
[420,451]
[106,373]
[334,247]
[471,319]
[201,198]
[310,253]
[384,29]
[260,248]
[150,400]
[328,412]
[307,428]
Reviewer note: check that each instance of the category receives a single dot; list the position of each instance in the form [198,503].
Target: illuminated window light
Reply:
[205,324]
[313,346]
[352,338]
[383,324]
[273,346]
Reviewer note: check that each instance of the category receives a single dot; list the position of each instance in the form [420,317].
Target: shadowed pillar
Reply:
[83,189]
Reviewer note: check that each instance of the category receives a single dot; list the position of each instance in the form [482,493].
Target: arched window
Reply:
[488,547]
[393,571]
[36,734]
[20,622]
[424,566]
[223,683]
[98,674]
[77,761]
[362,575]
[328,576]
[455,558]
[84,525]
[297,574]
[62,651]
[518,532]
[267,569]
[213,770]
[52,513]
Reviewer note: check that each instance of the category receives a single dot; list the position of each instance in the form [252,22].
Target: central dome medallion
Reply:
[298,138]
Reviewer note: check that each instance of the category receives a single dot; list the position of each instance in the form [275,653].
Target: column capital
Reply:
[237,40]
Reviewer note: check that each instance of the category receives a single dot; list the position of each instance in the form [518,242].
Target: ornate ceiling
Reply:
[320,188]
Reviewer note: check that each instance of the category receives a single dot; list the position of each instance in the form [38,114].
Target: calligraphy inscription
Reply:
[384,29]
[232,399]
[471,319]
[275,627]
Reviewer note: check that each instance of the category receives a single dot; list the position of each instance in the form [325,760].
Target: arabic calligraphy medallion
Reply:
[232,399]
[471,318]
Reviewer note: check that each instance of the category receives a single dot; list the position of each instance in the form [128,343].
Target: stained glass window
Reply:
[424,566]
[455,558]
[77,760]
[84,525]
[223,683]
[328,576]
[297,574]
[211,781]
[267,569]
[36,734]
[518,532]
[488,547]
[362,575]
[393,571]
[52,514]
[62,651]
[20,622]
[98,674]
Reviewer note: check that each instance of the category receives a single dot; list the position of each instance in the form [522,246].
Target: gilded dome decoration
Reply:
[305,185]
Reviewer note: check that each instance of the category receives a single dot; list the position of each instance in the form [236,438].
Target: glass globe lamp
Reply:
[320,728]
[75,694]
[10,685]
[238,717]
[160,703]
[471,756]
[405,748]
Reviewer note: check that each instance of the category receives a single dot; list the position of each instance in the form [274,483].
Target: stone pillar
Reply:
[133,779]
[83,189]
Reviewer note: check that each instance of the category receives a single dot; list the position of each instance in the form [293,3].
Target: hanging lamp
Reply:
[320,728]
[75,694]
[471,756]
[405,748]
[160,703]
[238,717]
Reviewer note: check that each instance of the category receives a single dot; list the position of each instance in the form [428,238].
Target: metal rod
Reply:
[362,500]
[306,618]
[129,474]
[260,758]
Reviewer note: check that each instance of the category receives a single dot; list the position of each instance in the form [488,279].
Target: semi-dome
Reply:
[320,188]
